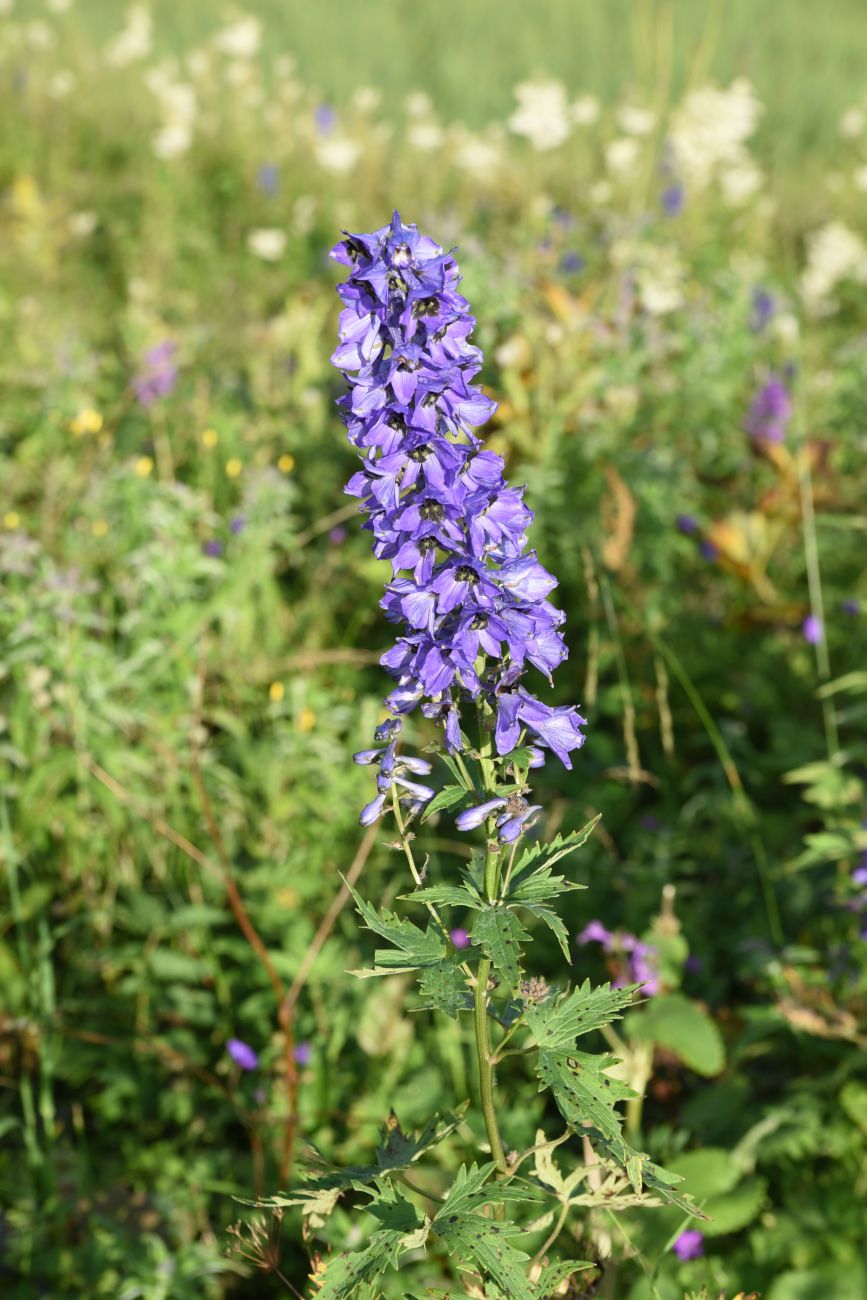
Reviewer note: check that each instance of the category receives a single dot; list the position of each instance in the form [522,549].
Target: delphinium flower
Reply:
[471,599]
[634,961]
[158,375]
[763,308]
[770,411]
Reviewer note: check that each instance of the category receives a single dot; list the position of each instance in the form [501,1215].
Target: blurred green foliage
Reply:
[189,625]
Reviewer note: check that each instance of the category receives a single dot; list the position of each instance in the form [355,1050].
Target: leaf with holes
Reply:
[545,855]
[557,1022]
[413,948]
[501,935]
[583,1091]
[444,987]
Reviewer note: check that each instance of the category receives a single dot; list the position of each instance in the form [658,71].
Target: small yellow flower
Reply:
[276,691]
[99,527]
[11,519]
[210,438]
[286,463]
[306,720]
[87,421]
[144,466]
[233,467]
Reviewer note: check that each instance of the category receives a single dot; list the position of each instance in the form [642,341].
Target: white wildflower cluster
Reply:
[708,136]
[133,42]
[240,39]
[656,271]
[835,254]
[177,104]
[268,243]
[544,115]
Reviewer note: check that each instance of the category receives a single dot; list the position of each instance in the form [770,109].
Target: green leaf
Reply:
[413,947]
[444,987]
[450,895]
[583,1090]
[448,797]
[546,855]
[673,1022]
[401,1228]
[480,1240]
[557,1022]
[501,934]
[554,1274]
[554,923]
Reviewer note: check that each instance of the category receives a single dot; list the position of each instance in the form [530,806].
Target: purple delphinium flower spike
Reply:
[770,411]
[158,375]
[242,1054]
[471,599]
[689,1245]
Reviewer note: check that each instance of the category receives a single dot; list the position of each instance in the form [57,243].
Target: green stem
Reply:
[493,861]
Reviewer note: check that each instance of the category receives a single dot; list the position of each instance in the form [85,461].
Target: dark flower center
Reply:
[479,622]
[465,574]
[426,307]
[420,453]
[396,421]
[395,281]
[407,363]
[401,256]
[432,510]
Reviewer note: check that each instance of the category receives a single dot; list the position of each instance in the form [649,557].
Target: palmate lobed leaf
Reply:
[554,1274]
[584,1092]
[501,934]
[545,855]
[444,987]
[412,947]
[557,1022]
[479,1240]
[402,1228]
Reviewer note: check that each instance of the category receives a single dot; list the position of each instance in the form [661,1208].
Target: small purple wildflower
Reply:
[268,178]
[303,1054]
[158,375]
[572,262]
[689,1245]
[337,536]
[325,118]
[673,198]
[460,938]
[595,932]
[472,600]
[693,964]
[851,607]
[770,411]
[687,524]
[707,550]
[237,525]
[763,308]
[242,1054]
[812,630]
[213,547]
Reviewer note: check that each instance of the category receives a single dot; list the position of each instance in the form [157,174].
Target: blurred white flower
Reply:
[199,64]
[425,136]
[418,104]
[267,243]
[636,121]
[172,141]
[6,6]
[237,73]
[740,182]
[58,6]
[337,153]
[366,99]
[859,178]
[621,156]
[710,129]
[542,115]
[241,39]
[60,84]
[39,35]
[82,224]
[785,327]
[304,214]
[479,155]
[852,123]
[177,99]
[133,42]
[660,281]
[514,353]
[600,193]
[834,254]
[585,110]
